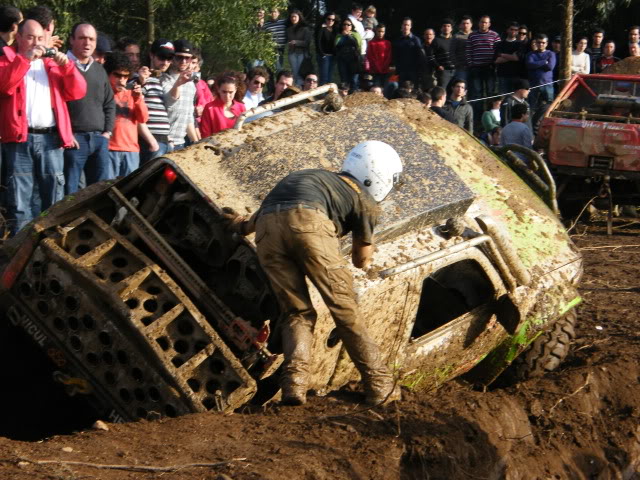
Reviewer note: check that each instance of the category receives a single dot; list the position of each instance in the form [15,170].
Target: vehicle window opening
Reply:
[449,293]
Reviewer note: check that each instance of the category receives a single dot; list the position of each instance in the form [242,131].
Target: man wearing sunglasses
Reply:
[160,57]
[92,117]
[179,95]
[256,80]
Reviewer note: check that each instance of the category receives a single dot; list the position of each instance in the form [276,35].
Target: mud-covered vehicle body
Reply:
[146,305]
[591,136]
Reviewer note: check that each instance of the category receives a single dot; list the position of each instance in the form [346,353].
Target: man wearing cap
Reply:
[34,121]
[179,95]
[160,57]
[103,46]
[92,117]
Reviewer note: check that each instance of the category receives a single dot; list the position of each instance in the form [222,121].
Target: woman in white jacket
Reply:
[580,61]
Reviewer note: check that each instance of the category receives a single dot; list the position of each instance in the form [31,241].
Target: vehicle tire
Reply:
[547,352]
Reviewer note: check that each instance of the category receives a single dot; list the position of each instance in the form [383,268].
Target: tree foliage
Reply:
[224,29]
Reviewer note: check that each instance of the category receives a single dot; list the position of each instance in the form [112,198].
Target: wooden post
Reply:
[151,22]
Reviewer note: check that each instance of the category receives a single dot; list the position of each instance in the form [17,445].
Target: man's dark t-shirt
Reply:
[348,209]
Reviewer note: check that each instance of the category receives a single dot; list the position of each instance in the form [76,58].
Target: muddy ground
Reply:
[580,422]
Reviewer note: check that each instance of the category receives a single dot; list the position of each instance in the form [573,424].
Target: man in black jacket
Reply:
[92,118]
[443,46]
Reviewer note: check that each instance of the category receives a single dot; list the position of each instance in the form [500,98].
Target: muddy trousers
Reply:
[302,242]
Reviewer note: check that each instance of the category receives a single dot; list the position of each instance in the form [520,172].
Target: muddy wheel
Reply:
[548,351]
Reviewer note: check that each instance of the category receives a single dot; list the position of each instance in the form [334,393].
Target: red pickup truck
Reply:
[591,135]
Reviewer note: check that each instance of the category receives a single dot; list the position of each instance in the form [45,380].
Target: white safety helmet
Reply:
[376,165]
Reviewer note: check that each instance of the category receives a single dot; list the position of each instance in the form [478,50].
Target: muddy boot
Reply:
[297,341]
[365,354]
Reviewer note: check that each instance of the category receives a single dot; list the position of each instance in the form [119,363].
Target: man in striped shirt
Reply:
[277,27]
[480,49]
[160,56]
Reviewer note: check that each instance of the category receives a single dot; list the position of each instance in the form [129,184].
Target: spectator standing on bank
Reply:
[203,94]
[356,19]
[179,96]
[124,149]
[634,39]
[460,48]
[284,80]
[518,97]
[580,61]
[509,59]
[10,18]
[92,117]
[326,46]
[438,99]
[457,105]
[35,124]
[594,50]
[131,49]
[348,54]
[298,43]
[160,56]
[444,49]
[222,113]
[257,78]
[540,63]
[481,50]
[44,16]
[607,58]
[103,47]
[407,53]
[277,27]
[379,56]
[428,65]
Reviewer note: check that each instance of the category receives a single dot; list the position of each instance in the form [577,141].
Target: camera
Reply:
[196,76]
[49,53]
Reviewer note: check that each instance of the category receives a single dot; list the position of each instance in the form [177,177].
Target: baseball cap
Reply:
[163,47]
[103,44]
[183,46]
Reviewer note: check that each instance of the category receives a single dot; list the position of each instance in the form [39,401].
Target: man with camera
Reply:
[92,117]
[35,84]
[179,95]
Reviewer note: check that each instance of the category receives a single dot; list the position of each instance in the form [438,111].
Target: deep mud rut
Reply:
[580,422]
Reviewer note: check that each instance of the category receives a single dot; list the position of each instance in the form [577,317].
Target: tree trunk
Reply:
[567,40]
[151,22]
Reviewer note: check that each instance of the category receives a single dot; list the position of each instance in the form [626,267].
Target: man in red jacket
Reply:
[379,56]
[35,84]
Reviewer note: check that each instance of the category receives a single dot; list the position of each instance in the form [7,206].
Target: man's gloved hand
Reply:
[233,221]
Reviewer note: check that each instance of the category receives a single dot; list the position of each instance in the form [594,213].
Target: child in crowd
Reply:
[369,21]
[124,150]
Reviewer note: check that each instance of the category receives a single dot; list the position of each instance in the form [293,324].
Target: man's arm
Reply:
[361,253]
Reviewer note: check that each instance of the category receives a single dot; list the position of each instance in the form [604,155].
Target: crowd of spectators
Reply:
[95,111]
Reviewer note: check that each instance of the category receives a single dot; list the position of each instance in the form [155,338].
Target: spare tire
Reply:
[547,351]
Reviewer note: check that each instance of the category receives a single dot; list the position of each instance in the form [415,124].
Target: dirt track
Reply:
[581,422]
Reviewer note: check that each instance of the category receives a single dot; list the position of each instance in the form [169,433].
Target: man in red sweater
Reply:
[379,56]
[124,150]
[35,84]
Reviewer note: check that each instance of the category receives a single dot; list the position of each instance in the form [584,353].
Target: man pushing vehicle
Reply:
[298,228]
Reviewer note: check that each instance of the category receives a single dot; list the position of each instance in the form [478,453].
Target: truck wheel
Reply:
[547,351]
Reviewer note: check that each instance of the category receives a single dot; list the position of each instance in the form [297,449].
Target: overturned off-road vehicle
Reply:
[145,305]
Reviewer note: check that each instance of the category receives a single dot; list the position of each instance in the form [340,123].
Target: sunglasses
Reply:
[331,19]
[522,33]
[120,75]
[347,25]
[182,58]
[258,82]
[311,80]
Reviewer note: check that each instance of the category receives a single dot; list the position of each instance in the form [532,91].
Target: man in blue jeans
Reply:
[92,117]
[540,64]
[34,121]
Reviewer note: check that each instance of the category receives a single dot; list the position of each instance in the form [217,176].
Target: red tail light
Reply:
[170,175]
